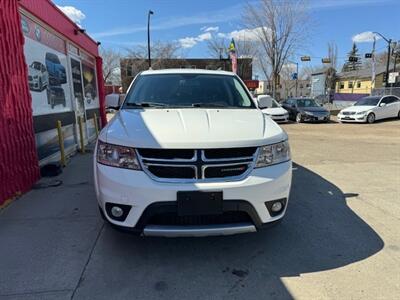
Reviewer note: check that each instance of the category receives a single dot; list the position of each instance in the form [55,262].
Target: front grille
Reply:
[175,172]
[173,219]
[197,165]
[348,113]
[225,171]
[167,153]
[229,153]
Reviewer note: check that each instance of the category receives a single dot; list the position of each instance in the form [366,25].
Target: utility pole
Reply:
[389,41]
[148,37]
[297,76]
[387,63]
[373,64]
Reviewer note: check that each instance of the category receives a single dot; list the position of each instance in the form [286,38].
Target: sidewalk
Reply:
[47,236]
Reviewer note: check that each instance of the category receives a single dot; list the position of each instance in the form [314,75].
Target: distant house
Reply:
[353,85]
[360,81]
[286,88]
[318,83]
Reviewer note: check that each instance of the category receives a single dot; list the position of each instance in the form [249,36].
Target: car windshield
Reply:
[368,101]
[306,103]
[188,90]
[275,103]
[36,65]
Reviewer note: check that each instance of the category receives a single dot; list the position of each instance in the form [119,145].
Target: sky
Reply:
[122,24]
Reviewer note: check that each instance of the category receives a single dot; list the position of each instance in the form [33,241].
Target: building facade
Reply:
[51,71]
[286,89]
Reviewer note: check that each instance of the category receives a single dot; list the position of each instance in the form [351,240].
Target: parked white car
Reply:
[38,77]
[371,108]
[272,108]
[190,154]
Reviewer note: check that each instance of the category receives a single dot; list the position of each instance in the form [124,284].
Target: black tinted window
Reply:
[187,90]
[306,103]
[368,101]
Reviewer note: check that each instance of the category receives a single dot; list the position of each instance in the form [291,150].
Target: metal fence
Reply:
[386,91]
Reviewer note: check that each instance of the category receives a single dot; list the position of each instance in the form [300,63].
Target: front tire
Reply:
[299,119]
[398,115]
[371,118]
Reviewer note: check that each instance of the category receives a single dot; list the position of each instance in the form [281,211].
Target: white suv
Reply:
[190,154]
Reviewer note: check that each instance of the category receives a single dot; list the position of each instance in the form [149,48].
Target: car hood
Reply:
[191,128]
[313,109]
[274,111]
[358,108]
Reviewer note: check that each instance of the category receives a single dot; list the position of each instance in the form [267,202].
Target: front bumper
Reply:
[34,84]
[138,190]
[280,118]
[352,118]
[315,118]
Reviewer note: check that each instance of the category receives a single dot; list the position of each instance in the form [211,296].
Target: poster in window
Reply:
[90,86]
[45,55]
[77,85]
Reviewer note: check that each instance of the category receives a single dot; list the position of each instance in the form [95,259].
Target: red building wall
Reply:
[19,167]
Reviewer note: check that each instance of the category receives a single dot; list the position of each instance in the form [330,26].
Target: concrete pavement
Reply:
[340,238]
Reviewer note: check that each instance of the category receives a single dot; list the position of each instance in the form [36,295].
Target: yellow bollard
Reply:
[61,143]
[96,125]
[80,122]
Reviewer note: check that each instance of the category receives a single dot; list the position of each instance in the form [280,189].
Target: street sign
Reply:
[368,55]
[305,58]
[326,60]
[392,77]
[294,76]
[353,58]
[251,84]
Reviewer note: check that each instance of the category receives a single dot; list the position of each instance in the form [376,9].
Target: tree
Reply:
[282,28]
[135,59]
[330,70]
[111,68]
[353,65]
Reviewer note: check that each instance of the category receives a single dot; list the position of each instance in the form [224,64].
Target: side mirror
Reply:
[264,102]
[114,101]
[382,104]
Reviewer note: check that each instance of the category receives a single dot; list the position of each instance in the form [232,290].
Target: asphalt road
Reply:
[339,240]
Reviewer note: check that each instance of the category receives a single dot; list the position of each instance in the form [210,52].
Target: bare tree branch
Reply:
[283,28]
[111,68]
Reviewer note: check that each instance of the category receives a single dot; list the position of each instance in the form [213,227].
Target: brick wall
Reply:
[18,160]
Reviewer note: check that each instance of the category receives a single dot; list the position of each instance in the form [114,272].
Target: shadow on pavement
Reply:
[320,232]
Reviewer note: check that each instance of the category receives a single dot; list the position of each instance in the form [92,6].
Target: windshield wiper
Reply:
[145,104]
[209,105]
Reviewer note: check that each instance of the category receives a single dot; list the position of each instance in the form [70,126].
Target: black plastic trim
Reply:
[268,204]
[171,206]
[125,208]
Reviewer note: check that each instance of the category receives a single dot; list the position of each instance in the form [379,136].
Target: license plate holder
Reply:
[192,203]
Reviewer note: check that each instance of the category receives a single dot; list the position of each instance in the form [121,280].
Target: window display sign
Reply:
[45,54]
[90,87]
[77,85]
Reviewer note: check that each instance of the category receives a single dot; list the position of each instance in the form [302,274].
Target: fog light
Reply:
[276,207]
[117,211]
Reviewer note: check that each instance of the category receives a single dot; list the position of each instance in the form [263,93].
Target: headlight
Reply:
[273,154]
[308,113]
[361,113]
[117,156]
